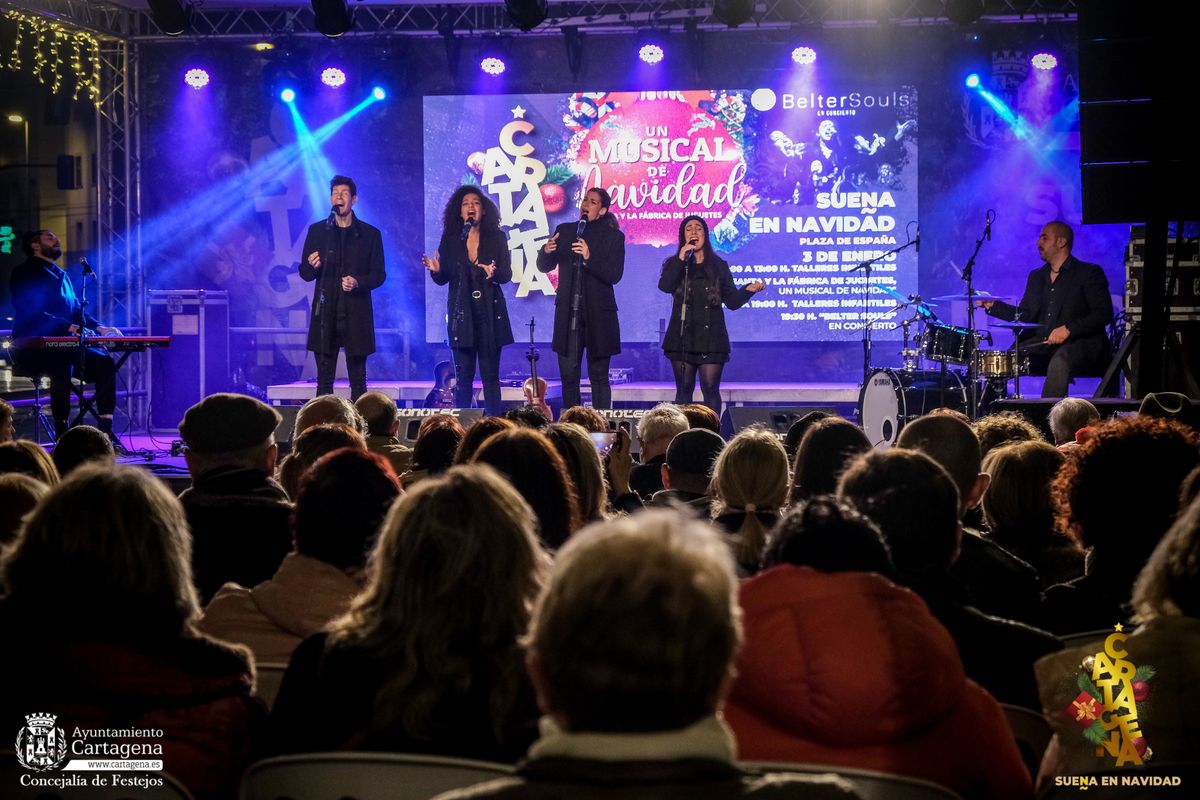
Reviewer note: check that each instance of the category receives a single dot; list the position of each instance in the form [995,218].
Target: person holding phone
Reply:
[590,257]
[473,259]
[699,281]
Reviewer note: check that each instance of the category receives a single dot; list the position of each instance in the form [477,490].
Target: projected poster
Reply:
[797,190]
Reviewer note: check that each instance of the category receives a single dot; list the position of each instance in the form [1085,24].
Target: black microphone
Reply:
[691,256]
[581,226]
[87,268]
[468,224]
[918,241]
[987,229]
[329,221]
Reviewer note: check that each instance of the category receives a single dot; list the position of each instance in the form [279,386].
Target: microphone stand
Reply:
[576,294]
[82,328]
[867,323]
[968,277]
[687,264]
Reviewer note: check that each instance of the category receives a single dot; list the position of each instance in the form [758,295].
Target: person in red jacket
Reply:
[848,669]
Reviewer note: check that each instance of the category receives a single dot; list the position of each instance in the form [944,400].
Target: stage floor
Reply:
[411,394]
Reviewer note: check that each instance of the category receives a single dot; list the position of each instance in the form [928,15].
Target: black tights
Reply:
[710,383]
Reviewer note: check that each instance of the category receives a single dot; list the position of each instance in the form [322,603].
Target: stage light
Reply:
[972,81]
[526,14]
[964,12]
[288,95]
[263,46]
[651,53]
[333,77]
[1044,61]
[173,17]
[733,12]
[16,119]
[196,78]
[492,66]
[332,17]
[804,55]
[378,93]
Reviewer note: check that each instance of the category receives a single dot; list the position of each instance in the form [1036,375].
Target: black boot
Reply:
[105,425]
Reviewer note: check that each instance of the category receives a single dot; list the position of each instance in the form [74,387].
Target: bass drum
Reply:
[891,398]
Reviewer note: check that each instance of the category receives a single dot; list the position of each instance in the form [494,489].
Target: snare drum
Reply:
[890,398]
[947,343]
[999,364]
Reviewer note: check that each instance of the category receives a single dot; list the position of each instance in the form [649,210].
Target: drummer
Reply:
[1068,300]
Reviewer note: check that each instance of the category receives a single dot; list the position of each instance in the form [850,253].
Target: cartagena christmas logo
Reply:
[1112,697]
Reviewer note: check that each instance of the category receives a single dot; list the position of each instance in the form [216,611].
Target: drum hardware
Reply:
[1016,326]
[890,398]
[866,266]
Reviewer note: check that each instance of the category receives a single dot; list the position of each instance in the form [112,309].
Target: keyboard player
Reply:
[45,303]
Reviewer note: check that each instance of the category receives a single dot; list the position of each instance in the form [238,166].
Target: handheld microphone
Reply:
[691,256]
[329,221]
[87,268]
[987,229]
[468,224]
[581,226]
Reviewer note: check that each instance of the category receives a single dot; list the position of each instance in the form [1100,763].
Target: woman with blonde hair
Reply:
[583,465]
[99,615]
[427,658]
[29,458]
[751,480]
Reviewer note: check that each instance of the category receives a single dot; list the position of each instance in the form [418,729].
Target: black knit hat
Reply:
[223,423]
[694,451]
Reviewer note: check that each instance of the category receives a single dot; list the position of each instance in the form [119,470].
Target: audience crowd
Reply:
[686,624]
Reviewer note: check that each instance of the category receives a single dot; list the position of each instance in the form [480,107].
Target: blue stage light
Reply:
[1044,61]
[651,53]
[288,95]
[492,66]
[196,78]
[378,93]
[973,80]
[804,55]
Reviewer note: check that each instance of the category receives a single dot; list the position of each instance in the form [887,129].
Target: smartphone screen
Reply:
[603,441]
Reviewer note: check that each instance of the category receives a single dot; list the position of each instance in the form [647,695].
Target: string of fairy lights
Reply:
[58,54]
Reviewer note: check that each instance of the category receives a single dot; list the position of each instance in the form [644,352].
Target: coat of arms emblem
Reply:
[41,744]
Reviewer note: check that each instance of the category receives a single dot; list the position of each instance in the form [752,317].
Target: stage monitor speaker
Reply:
[197,362]
[411,419]
[774,418]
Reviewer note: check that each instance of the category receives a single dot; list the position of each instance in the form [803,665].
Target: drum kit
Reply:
[960,373]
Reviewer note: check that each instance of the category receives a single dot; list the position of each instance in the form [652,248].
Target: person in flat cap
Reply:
[1170,405]
[238,513]
[687,470]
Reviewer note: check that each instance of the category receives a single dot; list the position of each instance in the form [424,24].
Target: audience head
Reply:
[701,416]
[342,501]
[1119,491]
[19,494]
[950,412]
[8,430]
[1001,427]
[751,476]
[379,413]
[952,444]
[230,430]
[327,409]
[80,445]
[437,441]
[658,427]
[829,535]
[583,464]
[914,502]
[311,445]
[1018,500]
[795,434]
[639,627]
[828,447]
[107,551]
[1069,415]
[537,471]
[1189,490]
[528,416]
[585,417]
[691,456]
[28,458]
[1169,584]
[1170,405]
[483,429]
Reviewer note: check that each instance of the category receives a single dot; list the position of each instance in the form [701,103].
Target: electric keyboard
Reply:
[111,343]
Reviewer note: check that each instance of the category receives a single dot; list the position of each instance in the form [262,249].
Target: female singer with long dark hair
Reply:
[473,258]
[585,307]
[699,281]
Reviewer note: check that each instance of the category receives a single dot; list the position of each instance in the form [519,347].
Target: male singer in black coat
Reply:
[45,304]
[1069,301]
[344,255]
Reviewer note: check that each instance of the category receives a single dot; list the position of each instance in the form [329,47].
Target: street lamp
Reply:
[17,119]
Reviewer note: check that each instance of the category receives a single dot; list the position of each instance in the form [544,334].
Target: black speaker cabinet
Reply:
[197,362]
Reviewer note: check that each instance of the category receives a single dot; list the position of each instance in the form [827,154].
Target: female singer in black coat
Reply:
[585,309]
[473,258]
[699,281]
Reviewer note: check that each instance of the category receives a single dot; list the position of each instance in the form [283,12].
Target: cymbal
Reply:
[1015,326]
[977,296]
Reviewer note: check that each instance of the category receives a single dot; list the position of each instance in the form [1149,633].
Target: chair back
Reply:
[11,788]
[363,776]
[869,784]
[1032,732]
